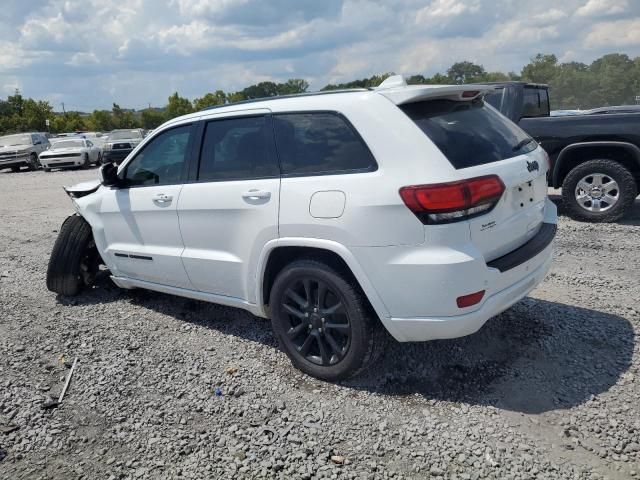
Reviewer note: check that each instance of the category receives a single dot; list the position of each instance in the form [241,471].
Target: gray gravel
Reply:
[549,389]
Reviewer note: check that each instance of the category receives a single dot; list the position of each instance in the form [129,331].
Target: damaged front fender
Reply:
[82,189]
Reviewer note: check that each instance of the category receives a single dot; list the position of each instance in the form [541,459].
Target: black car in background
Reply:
[595,157]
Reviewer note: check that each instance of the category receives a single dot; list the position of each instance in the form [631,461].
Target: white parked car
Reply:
[70,152]
[420,210]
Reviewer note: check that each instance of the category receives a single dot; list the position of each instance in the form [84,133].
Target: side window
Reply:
[319,143]
[237,149]
[161,161]
[89,144]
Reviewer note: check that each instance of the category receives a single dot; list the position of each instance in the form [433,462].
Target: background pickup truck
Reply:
[595,158]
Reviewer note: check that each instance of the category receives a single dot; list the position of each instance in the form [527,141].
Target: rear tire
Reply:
[74,260]
[87,162]
[324,342]
[47,169]
[583,199]
[15,169]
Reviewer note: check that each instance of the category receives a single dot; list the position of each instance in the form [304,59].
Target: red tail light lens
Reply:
[471,299]
[454,201]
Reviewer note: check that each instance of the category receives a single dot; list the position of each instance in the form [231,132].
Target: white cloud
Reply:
[95,52]
[622,33]
[603,7]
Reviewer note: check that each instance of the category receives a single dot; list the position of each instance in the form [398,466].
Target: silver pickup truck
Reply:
[22,150]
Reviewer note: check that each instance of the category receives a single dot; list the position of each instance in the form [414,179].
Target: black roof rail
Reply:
[282,97]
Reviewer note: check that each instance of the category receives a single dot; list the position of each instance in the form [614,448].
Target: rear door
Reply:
[229,210]
[477,140]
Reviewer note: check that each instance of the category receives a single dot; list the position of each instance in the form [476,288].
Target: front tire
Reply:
[74,260]
[599,191]
[87,162]
[34,163]
[323,321]
[15,169]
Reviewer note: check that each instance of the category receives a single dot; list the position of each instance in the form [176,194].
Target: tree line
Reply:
[612,79]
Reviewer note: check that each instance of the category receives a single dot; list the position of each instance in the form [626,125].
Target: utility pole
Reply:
[63,110]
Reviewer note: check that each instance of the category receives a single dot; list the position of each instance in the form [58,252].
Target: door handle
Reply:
[162,198]
[256,195]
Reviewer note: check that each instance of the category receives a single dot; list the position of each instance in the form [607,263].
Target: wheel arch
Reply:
[572,155]
[278,253]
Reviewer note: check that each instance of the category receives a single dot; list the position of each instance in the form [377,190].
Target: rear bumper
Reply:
[433,328]
[418,285]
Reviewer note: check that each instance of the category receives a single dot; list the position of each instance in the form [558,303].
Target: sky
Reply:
[91,53]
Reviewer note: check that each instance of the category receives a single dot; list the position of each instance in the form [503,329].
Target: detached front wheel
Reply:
[75,260]
[323,321]
[599,191]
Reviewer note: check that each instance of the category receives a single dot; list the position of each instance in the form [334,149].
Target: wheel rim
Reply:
[316,322]
[597,192]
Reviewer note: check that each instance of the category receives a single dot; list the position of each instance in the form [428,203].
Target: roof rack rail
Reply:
[283,97]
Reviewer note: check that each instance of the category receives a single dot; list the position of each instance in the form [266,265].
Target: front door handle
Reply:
[256,195]
[162,198]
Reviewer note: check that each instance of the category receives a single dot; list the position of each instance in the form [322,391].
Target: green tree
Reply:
[151,118]
[210,100]
[292,86]
[101,121]
[177,106]
[541,69]
[370,82]
[614,79]
[465,72]
[68,122]
[122,118]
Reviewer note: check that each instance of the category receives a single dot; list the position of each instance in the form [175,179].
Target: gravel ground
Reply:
[549,389]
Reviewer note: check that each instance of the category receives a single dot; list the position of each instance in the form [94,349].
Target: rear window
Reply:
[469,133]
[319,143]
[535,103]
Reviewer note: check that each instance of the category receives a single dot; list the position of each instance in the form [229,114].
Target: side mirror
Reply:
[109,175]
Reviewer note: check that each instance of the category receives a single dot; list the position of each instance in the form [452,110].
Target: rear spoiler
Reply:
[396,89]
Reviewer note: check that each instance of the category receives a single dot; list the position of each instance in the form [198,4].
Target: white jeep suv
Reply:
[416,209]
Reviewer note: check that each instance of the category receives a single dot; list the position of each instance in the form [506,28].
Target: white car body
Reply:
[212,241]
[69,153]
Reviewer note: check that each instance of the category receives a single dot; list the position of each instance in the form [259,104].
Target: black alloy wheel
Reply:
[318,324]
[323,321]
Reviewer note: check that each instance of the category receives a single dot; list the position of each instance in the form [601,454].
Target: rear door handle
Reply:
[162,198]
[256,195]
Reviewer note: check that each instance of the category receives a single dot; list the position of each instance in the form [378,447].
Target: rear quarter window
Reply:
[320,143]
[469,133]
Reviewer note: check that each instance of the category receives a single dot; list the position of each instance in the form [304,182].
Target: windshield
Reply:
[19,139]
[129,134]
[67,144]
[469,133]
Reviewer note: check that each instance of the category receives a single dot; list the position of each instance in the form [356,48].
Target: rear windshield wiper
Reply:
[522,143]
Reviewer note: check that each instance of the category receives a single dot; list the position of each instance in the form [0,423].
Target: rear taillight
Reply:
[454,201]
